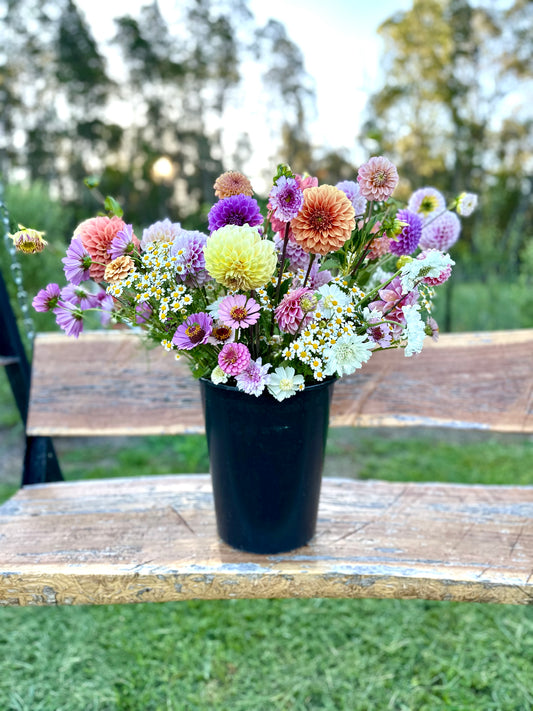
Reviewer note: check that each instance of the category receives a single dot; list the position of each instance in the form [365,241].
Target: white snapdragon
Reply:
[414,329]
[431,265]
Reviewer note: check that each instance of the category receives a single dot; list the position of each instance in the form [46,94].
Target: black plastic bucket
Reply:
[266,460]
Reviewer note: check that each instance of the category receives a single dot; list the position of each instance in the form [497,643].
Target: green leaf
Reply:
[112,207]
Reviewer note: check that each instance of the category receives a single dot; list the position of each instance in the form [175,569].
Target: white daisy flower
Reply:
[332,297]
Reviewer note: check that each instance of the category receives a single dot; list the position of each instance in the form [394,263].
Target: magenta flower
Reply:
[377,178]
[286,199]
[188,249]
[47,299]
[234,210]
[392,300]
[407,241]
[123,243]
[290,315]
[234,358]
[255,378]
[238,311]
[194,331]
[69,318]
[77,262]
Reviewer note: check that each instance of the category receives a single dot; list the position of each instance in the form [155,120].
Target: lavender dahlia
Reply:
[353,192]
[234,210]
[286,199]
[255,378]
[377,178]
[407,241]
[194,331]
[188,249]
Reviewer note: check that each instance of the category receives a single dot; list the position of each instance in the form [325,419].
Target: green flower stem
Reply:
[311,260]
[282,263]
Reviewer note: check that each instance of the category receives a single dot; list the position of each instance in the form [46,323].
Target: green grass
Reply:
[268,654]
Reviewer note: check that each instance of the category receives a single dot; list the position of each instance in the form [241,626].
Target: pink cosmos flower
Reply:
[69,318]
[77,263]
[238,311]
[377,178]
[290,315]
[47,298]
[234,358]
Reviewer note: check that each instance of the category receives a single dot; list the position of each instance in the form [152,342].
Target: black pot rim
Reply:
[233,388]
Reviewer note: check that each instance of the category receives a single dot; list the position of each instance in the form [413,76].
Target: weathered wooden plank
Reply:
[153,539]
[107,383]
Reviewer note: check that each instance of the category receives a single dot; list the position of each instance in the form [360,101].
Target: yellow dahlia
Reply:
[237,257]
[325,221]
[232,183]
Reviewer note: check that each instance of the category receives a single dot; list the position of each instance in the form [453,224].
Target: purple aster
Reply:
[188,249]
[123,242]
[106,305]
[78,296]
[143,311]
[47,298]
[442,233]
[353,192]
[235,210]
[69,318]
[77,262]
[407,241]
[286,199]
[194,331]
[253,380]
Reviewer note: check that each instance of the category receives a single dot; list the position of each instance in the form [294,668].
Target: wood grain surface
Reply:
[108,383]
[154,540]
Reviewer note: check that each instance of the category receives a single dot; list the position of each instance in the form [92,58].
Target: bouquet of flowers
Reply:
[271,303]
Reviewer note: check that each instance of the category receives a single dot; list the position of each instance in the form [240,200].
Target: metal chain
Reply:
[16,272]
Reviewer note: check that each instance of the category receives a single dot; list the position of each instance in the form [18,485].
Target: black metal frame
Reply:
[40,460]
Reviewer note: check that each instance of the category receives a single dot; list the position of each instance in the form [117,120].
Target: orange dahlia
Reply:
[325,221]
[96,234]
[232,183]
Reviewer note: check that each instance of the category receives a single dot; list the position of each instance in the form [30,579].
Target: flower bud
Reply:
[28,241]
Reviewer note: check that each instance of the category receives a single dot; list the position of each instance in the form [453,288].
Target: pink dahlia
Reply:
[377,178]
[234,358]
[290,315]
[96,235]
[442,233]
[238,311]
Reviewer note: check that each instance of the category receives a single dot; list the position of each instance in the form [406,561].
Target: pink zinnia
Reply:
[234,358]
[290,315]
[238,311]
[377,178]
[96,234]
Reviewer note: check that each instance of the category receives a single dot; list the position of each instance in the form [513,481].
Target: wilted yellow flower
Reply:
[28,241]
[237,257]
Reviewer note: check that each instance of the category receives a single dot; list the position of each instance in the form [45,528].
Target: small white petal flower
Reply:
[218,376]
[285,383]
[466,204]
[332,297]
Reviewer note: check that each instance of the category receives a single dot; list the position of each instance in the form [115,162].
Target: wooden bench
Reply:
[154,539]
